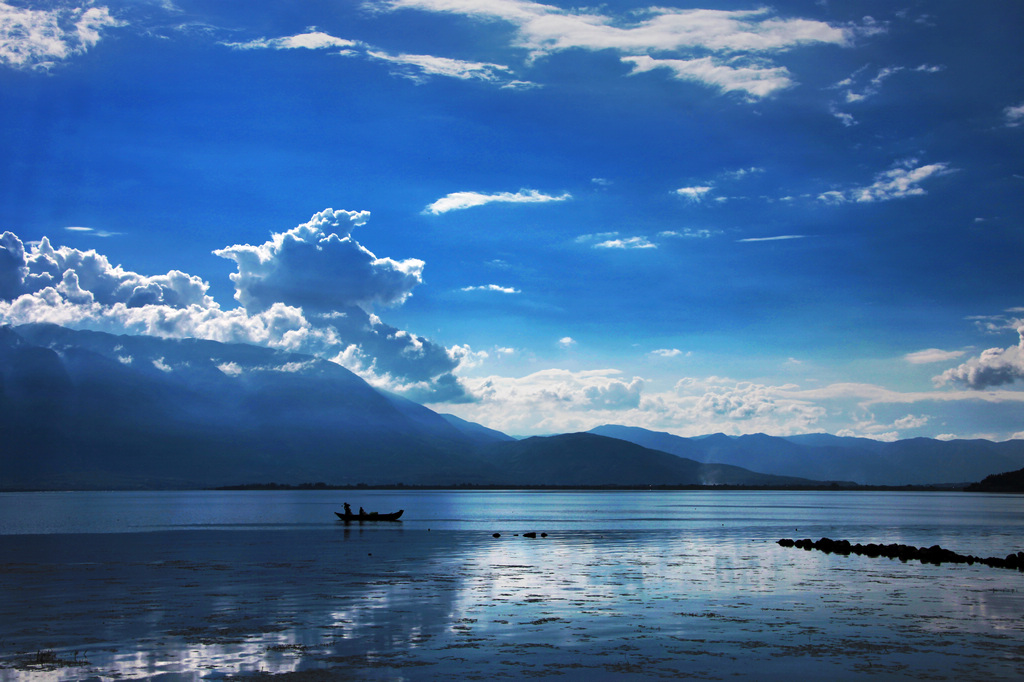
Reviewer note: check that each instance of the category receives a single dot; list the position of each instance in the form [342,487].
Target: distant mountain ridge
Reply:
[86,410]
[823,457]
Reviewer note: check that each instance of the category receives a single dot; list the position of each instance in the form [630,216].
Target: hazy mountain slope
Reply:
[476,432]
[86,409]
[832,458]
[590,459]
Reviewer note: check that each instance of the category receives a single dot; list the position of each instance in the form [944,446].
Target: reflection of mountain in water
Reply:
[372,604]
[148,603]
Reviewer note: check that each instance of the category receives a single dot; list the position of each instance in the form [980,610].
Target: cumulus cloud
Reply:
[667,352]
[319,267]
[566,342]
[729,50]
[897,183]
[40,38]
[558,400]
[88,277]
[993,367]
[552,400]
[457,201]
[309,290]
[614,395]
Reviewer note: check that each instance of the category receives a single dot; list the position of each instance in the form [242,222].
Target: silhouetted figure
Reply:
[361,512]
[348,510]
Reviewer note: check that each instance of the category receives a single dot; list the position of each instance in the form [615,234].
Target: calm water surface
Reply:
[641,585]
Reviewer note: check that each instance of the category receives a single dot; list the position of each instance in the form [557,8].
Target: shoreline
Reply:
[825,487]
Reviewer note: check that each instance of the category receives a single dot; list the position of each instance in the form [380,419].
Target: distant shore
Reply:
[826,487]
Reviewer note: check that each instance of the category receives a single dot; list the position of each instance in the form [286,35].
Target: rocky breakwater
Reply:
[926,555]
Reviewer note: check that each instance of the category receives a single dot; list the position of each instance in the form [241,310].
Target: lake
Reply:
[625,585]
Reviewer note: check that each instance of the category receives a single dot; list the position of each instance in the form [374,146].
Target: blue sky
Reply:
[782,218]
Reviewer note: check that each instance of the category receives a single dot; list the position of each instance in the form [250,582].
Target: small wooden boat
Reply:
[370,516]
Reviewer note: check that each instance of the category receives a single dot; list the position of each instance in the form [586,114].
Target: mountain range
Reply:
[87,410]
[823,457]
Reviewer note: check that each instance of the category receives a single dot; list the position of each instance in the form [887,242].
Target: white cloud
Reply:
[232,369]
[781,237]
[457,201]
[930,355]
[898,183]
[739,41]
[493,287]
[416,66]
[667,352]
[566,342]
[316,268]
[858,89]
[627,243]
[872,87]
[689,233]
[993,367]
[1014,116]
[38,39]
[847,119]
[91,231]
[311,40]
[544,28]
[558,401]
[695,193]
[743,172]
[82,290]
[754,81]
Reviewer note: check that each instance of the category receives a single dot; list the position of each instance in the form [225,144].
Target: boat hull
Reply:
[395,516]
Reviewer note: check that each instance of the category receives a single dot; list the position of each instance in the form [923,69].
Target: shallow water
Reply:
[625,585]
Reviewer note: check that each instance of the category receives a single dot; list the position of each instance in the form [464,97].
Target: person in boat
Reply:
[361,512]
[348,510]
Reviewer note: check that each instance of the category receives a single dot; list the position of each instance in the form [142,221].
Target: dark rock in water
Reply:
[935,554]
[496,535]
[543,535]
[529,535]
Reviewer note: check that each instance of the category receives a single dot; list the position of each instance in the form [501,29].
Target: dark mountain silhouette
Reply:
[916,461]
[1008,482]
[81,410]
[586,459]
